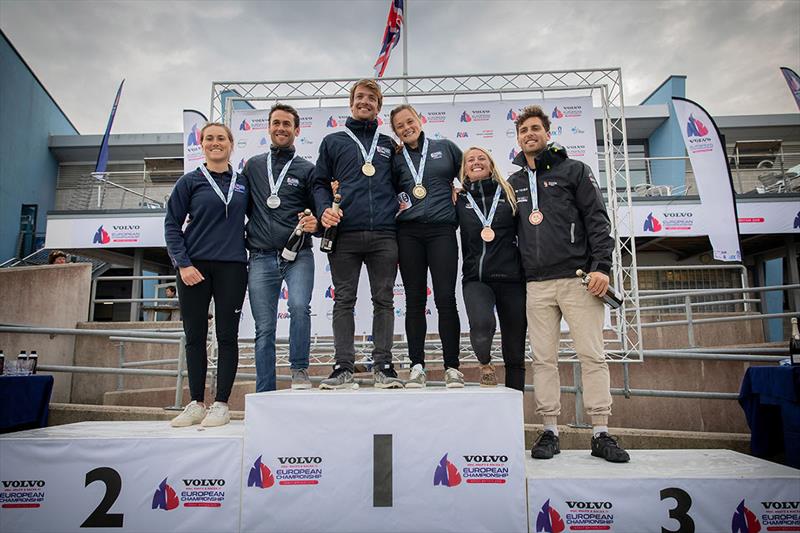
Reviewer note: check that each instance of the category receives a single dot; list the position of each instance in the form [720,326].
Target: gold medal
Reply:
[368,169]
[535,217]
[487,234]
[419,192]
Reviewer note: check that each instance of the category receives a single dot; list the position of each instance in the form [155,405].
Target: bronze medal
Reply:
[419,192]
[487,234]
[535,217]
[368,169]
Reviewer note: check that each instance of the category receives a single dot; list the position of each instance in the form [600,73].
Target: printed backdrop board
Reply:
[121,476]
[380,460]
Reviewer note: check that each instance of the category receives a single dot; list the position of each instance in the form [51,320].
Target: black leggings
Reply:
[420,247]
[509,297]
[226,282]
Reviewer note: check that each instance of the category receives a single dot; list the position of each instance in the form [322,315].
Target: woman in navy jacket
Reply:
[209,255]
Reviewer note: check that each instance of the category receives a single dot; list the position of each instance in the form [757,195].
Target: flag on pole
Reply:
[794,83]
[102,157]
[391,36]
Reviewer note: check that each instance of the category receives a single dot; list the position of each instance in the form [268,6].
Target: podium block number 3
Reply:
[381,470]
[100,517]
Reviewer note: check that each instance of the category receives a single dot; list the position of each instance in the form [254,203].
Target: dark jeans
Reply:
[378,251]
[226,282]
[422,247]
[509,298]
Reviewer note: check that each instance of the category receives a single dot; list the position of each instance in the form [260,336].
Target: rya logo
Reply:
[462,135]
[260,476]
[548,520]
[744,521]
[695,128]
[446,473]
[165,497]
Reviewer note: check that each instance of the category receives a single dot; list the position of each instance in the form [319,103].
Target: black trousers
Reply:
[509,298]
[422,247]
[226,282]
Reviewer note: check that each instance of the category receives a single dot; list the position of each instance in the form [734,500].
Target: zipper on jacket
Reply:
[483,243]
[572,233]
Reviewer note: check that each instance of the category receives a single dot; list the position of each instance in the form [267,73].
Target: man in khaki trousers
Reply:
[562,226]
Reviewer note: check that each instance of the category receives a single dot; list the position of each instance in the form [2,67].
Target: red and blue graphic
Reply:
[165,497]
[652,224]
[744,521]
[194,136]
[548,520]
[391,36]
[329,292]
[423,119]
[241,164]
[284,294]
[446,474]
[556,113]
[796,221]
[260,476]
[101,236]
[512,115]
[695,128]
[245,126]
[465,117]
[331,122]
[512,154]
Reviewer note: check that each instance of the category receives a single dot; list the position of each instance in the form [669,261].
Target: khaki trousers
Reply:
[547,301]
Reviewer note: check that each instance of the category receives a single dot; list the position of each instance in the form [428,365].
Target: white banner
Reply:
[124,476]
[712,175]
[193,122]
[379,460]
[105,231]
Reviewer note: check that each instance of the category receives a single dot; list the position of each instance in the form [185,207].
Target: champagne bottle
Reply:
[329,237]
[296,240]
[794,344]
[611,297]
[34,361]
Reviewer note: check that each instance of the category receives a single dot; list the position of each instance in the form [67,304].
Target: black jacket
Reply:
[269,229]
[441,166]
[575,232]
[369,203]
[497,260]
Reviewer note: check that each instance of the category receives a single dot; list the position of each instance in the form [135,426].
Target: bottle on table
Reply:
[328,243]
[33,361]
[296,240]
[794,344]
[610,298]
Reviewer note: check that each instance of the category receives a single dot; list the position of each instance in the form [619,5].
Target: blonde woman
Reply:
[492,272]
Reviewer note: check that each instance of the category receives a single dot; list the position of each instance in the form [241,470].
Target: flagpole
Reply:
[405,50]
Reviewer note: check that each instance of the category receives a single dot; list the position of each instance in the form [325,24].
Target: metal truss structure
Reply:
[603,85]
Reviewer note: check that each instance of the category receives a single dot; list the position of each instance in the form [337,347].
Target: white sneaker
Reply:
[453,379]
[416,379]
[218,415]
[192,414]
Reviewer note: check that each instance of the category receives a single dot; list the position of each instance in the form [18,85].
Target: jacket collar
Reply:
[420,142]
[361,126]
[281,153]
[553,155]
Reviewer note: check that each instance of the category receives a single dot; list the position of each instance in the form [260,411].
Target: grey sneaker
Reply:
[218,415]
[488,377]
[192,414]
[416,380]
[386,377]
[300,379]
[340,378]
[453,379]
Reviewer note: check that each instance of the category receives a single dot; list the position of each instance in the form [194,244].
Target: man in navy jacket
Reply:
[360,160]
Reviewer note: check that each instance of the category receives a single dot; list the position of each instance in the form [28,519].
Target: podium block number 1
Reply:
[381,470]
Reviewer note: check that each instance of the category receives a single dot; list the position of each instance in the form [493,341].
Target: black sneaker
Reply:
[546,446]
[386,377]
[340,378]
[605,446]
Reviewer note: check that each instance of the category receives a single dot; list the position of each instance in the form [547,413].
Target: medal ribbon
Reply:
[417,174]
[533,188]
[273,185]
[216,188]
[487,222]
[367,156]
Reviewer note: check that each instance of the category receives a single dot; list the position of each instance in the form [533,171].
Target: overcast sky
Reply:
[171,51]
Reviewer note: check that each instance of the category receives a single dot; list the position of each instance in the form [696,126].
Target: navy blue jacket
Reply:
[369,203]
[269,229]
[209,235]
[441,166]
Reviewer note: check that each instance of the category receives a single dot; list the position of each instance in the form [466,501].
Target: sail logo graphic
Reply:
[695,128]
[744,520]
[556,113]
[331,122]
[260,475]
[263,141]
[330,292]
[796,221]
[165,497]
[446,474]
[465,117]
[512,154]
[423,119]
[652,224]
[245,126]
[241,164]
[284,294]
[549,520]
[512,115]
[194,136]
[101,236]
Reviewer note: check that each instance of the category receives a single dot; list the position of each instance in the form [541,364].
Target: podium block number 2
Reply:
[100,517]
[381,470]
